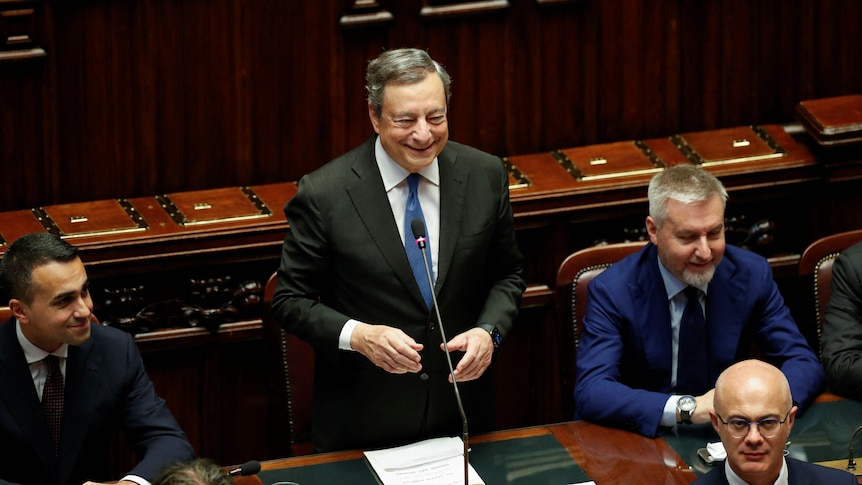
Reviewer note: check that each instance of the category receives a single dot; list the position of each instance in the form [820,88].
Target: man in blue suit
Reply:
[96,373]
[647,360]
[753,415]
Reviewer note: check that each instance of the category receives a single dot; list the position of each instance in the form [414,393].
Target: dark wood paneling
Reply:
[140,97]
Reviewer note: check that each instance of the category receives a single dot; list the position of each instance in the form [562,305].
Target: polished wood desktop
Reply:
[611,456]
[606,455]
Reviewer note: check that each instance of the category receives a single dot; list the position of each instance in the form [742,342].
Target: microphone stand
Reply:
[420,241]
[851,462]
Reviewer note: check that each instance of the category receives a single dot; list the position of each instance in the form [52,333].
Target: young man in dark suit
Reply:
[753,415]
[57,419]
[346,284]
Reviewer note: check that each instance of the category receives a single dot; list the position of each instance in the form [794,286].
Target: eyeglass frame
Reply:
[758,423]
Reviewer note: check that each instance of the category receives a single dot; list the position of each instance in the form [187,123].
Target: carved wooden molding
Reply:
[365,13]
[458,8]
[18,31]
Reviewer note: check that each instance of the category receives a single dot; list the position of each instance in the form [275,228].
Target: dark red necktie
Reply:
[52,399]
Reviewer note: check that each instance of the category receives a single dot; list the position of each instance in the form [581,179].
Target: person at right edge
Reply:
[842,326]
[663,323]
[347,286]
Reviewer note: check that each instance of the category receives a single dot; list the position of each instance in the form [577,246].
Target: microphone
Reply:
[851,462]
[250,467]
[418,228]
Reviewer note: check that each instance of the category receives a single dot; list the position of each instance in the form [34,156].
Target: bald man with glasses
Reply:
[753,414]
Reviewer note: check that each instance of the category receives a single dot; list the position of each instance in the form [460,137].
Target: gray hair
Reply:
[201,471]
[683,183]
[401,66]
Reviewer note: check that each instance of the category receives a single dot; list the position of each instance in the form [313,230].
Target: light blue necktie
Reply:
[412,211]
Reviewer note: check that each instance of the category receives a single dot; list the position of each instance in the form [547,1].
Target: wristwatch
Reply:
[496,336]
[685,408]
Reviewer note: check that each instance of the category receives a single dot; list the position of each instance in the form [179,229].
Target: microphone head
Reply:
[418,228]
[251,467]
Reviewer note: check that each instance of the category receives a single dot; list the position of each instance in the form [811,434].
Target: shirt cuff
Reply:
[136,479]
[346,332]
[668,417]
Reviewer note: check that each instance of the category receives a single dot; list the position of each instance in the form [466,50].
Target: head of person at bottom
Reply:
[49,290]
[686,222]
[200,471]
[753,414]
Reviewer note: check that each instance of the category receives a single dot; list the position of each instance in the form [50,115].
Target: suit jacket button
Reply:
[424,377]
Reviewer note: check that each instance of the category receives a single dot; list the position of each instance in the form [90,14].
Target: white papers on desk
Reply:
[436,461]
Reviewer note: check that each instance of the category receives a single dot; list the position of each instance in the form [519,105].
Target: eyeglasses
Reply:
[767,427]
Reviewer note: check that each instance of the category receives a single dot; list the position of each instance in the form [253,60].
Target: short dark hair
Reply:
[27,253]
[201,471]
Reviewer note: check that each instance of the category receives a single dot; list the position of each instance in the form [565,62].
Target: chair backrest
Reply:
[816,266]
[5,313]
[291,373]
[573,276]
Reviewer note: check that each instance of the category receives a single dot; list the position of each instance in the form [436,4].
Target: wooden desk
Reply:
[604,455]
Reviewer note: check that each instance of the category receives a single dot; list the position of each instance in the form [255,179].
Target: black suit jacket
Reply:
[343,258]
[106,388]
[842,325]
[798,473]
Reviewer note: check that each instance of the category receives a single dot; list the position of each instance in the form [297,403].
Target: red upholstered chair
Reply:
[573,276]
[816,266]
[291,364]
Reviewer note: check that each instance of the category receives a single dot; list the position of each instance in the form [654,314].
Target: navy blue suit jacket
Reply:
[798,473]
[624,358]
[106,388]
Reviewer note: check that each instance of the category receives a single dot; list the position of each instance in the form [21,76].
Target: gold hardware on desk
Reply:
[201,206]
[598,161]
[742,142]
[78,219]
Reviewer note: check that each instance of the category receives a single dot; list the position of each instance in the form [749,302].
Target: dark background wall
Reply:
[141,97]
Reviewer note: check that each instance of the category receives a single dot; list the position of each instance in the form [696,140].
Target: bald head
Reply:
[753,414]
[751,381]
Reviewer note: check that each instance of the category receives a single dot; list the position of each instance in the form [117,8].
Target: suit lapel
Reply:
[18,393]
[453,190]
[650,301]
[368,196]
[82,384]
[727,291]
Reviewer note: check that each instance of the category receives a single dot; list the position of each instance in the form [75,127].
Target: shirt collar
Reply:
[733,478]
[393,174]
[33,353]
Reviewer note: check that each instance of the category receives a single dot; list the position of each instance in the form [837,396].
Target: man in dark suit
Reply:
[753,415]
[96,381]
[842,325]
[346,285]
[649,354]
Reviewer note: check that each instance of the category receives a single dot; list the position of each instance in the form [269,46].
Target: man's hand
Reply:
[387,347]
[478,349]
[704,406]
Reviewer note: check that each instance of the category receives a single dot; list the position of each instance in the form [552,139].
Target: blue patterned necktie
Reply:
[52,399]
[693,352]
[412,211]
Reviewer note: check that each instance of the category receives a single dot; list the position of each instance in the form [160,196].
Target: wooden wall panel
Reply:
[139,97]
